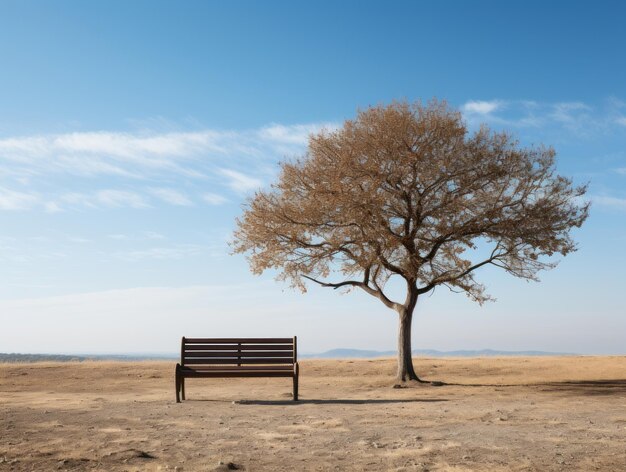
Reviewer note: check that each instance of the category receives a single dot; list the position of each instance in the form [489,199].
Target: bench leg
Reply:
[182,387]
[295,384]
[177,384]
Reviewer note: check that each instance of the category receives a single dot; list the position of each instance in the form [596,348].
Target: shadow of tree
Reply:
[574,387]
[602,387]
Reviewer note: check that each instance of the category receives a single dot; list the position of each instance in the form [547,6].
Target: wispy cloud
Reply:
[13,200]
[568,112]
[141,155]
[214,199]
[118,237]
[52,207]
[153,235]
[145,235]
[240,182]
[78,240]
[121,198]
[610,202]
[171,196]
[142,168]
[176,251]
[482,107]
[576,117]
[294,134]
[108,198]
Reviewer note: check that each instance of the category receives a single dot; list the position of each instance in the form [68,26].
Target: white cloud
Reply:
[482,107]
[239,182]
[52,207]
[214,199]
[153,235]
[79,240]
[294,134]
[145,235]
[71,162]
[577,117]
[12,200]
[178,251]
[610,202]
[171,196]
[568,112]
[120,198]
[77,198]
[148,155]
[108,198]
[132,146]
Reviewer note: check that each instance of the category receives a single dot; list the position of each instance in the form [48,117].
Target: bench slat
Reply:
[236,369]
[210,361]
[234,347]
[249,373]
[240,340]
[242,354]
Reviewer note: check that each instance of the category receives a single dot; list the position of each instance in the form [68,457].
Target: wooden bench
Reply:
[237,357]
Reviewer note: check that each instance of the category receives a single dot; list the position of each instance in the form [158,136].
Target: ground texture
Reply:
[508,414]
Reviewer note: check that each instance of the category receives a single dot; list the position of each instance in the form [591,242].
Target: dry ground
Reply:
[542,414]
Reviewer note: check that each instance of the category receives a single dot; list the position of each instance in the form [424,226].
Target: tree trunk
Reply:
[405,362]
[406,372]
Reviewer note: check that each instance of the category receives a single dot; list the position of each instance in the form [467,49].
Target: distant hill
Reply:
[348,354]
[365,354]
[14,357]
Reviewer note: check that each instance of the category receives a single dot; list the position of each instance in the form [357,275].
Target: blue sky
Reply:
[132,132]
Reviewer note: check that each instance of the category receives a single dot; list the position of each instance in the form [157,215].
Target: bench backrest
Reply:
[238,351]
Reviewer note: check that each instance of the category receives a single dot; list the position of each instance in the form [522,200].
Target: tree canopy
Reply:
[406,190]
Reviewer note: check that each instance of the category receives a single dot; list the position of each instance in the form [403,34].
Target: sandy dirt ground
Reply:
[544,414]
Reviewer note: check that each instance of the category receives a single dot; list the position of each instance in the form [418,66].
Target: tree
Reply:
[405,191]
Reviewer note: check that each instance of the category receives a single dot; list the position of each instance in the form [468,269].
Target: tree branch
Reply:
[443,280]
[374,292]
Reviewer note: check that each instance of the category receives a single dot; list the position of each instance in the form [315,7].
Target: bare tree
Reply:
[405,191]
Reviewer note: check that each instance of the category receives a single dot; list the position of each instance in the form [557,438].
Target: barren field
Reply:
[542,414]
